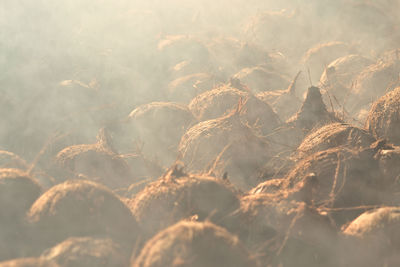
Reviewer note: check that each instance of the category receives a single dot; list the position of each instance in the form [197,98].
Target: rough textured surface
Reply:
[158,126]
[383,119]
[28,262]
[87,252]
[224,145]
[334,135]
[194,244]
[171,199]
[81,208]
[220,101]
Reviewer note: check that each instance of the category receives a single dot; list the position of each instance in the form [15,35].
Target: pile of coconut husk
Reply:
[260,79]
[224,145]
[284,102]
[334,135]
[221,101]
[177,196]
[383,120]
[194,244]
[98,162]
[284,231]
[87,252]
[158,126]
[80,208]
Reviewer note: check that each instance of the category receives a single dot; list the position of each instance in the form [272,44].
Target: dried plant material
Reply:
[222,100]
[224,145]
[194,244]
[383,118]
[177,196]
[88,208]
[87,252]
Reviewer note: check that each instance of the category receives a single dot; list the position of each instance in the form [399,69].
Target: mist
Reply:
[131,93]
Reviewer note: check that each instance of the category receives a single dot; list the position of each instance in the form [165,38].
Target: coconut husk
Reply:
[382,119]
[389,157]
[284,102]
[313,112]
[87,252]
[184,89]
[374,236]
[98,162]
[177,196]
[343,70]
[343,178]
[28,262]
[259,79]
[290,231]
[80,208]
[224,145]
[159,127]
[175,49]
[11,160]
[320,55]
[220,101]
[337,79]
[334,135]
[376,80]
[194,244]
[312,115]
[18,190]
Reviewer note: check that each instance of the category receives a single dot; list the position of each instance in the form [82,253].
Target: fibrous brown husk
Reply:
[194,244]
[334,135]
[389,157]
[171,199]
[176,49]
[11,160]
[259,79]
[28,262]
[87,252]
[284,102]
[312,115]
[337,80]
[294,233]
[96,162]
[343,70]
[80,208]
[320,55]
[187,87]
[220,101]
[224,145]
[375,234]
[18,190]
[375,80]
[160,126]
[343,178]
[383,118]
[313,112]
